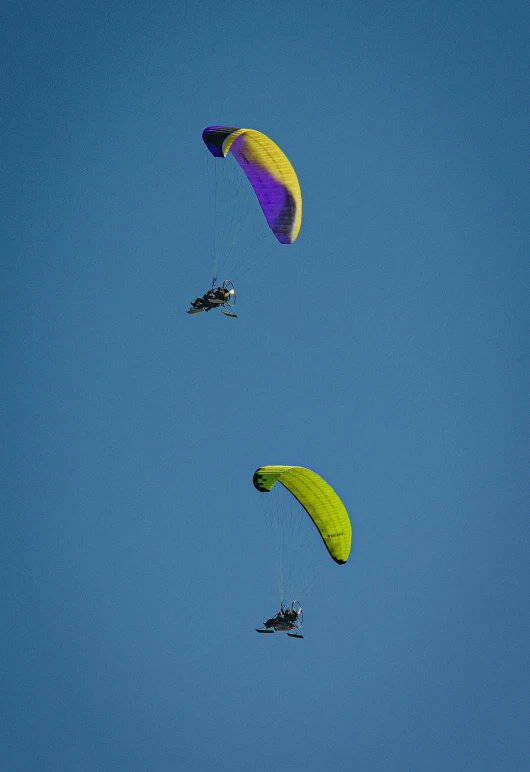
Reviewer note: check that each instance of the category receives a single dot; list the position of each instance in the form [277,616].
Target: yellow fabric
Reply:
[262,150]
[319,500]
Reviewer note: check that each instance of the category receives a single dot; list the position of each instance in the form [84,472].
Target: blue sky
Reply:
[387,349]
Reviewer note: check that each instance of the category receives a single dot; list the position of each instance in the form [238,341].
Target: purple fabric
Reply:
[275,200]
[277,203]
[214,136]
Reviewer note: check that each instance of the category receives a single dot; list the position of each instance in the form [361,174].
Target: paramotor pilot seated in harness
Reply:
[208,301]
[215,297]
[286,620]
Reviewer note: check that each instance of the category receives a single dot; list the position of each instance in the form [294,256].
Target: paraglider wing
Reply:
[268,170]
[319,500]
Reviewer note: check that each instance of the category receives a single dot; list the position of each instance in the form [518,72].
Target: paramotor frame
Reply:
[229,287]
[297,608]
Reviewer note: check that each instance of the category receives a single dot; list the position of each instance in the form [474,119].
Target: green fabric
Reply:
[319,500]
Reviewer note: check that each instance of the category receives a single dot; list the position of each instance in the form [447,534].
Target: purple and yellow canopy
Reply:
[269,171]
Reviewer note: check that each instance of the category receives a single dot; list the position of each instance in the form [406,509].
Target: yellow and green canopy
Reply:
[320,501]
